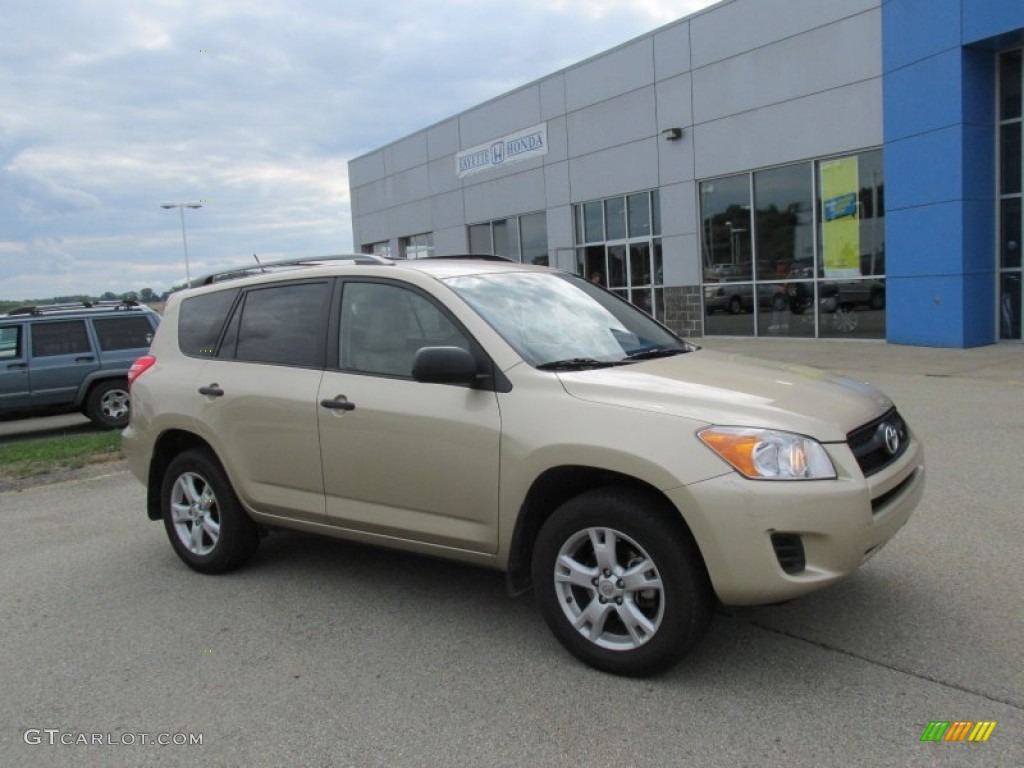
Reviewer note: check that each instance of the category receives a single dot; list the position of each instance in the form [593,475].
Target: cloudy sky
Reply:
[254,108]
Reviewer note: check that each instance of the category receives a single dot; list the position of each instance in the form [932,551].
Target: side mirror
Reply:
[444,365]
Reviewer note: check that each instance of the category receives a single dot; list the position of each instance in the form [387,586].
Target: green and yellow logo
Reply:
[958,730]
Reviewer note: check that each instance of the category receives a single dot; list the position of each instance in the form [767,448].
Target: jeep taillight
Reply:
[139,367]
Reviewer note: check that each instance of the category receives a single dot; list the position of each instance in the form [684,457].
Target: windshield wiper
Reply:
[653,352]
[577,363]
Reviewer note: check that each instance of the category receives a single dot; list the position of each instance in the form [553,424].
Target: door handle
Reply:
[15,366]
[85,359]
[340,403]
[213,390]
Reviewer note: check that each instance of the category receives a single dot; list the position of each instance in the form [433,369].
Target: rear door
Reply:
[14,389]
[402,458]
[62,357]
[256,398]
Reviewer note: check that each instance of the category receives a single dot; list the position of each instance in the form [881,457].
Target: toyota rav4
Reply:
[518,418]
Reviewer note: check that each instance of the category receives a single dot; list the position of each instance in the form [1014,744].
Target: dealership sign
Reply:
[521,145]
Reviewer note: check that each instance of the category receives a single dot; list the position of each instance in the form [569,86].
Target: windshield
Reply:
[554,319]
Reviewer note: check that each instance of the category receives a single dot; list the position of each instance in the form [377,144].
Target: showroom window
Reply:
[522,238]
[416,246]
[1010,213]
[378,249]
[618,245]
[796,251]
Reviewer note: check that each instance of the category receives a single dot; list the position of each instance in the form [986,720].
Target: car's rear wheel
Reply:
[108,404]
[205,522]
[621,585]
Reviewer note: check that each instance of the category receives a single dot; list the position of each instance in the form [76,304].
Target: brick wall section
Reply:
[683,312]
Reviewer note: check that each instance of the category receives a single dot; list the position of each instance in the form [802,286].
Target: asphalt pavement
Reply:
[325,653]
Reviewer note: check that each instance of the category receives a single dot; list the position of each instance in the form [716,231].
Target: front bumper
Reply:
[837,524]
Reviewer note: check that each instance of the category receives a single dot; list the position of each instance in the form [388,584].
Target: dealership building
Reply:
[795,168]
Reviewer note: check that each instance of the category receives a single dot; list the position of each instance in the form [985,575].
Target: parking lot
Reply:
[325,653]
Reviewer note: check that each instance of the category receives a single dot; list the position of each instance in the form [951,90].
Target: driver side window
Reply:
[383,326]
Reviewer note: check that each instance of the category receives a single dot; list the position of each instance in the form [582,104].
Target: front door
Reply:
[14,389]
[402,458]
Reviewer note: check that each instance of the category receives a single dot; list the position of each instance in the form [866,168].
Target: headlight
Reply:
[764,454]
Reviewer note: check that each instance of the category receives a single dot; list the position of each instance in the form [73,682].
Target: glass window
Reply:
[383,326]
[10,342]
[417,246]
[725,229]
[630,269]
[67,337]
[283,324]
[378,249]
[506,238]
[534,229]
[1010,233]
[200,320]
[480,239]
[615,218]
[655,213]
[1010,158]
[1010,85]
[639,207]
[1009,305]
[593,222]
[831,284]
[640,264]
[123,332]
[784,222]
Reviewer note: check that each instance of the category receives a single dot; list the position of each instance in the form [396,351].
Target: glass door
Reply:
[1011,141]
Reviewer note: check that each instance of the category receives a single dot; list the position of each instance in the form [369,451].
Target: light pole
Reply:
[184,241]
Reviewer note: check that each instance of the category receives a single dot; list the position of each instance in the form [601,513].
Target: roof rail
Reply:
[472,257]
[268,266]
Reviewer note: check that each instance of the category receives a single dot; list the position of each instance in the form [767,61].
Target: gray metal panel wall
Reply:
[751,83]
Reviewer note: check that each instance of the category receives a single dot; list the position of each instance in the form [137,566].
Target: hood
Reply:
[724,389]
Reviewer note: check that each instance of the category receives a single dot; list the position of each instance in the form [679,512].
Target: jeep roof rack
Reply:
[44,309]
[272,266]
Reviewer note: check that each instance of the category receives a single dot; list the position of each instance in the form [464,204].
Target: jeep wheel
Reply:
[621,587]
[108,404]
[205,522]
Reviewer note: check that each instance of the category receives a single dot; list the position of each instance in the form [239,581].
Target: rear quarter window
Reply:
[123,332]
[200,320]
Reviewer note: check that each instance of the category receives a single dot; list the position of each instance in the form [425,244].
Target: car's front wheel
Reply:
[620,584]
[207,526]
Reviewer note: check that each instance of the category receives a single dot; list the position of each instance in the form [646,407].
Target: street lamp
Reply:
[184,241]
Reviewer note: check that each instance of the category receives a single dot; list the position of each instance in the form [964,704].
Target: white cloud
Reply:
[112,108]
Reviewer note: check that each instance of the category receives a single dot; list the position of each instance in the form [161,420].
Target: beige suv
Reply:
[518,418]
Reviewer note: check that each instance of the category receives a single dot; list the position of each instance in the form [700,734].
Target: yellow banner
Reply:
[840,217]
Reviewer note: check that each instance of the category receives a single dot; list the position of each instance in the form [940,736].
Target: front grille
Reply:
[789,549]
[879,443]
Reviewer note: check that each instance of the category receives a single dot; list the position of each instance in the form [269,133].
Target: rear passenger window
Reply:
[200,320]
[284,324]
[61,338]
[123,332]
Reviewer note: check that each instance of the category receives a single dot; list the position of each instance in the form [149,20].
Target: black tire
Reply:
[196,488]
[107,404]
[735,305]
[648,544]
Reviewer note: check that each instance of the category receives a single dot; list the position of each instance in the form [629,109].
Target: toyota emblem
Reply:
[892,439]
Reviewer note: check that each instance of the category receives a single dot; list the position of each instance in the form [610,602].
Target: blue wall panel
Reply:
[916,29]
[983,19]
[940,160]
[924,105]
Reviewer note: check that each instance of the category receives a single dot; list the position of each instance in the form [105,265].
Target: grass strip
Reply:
[27,458]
